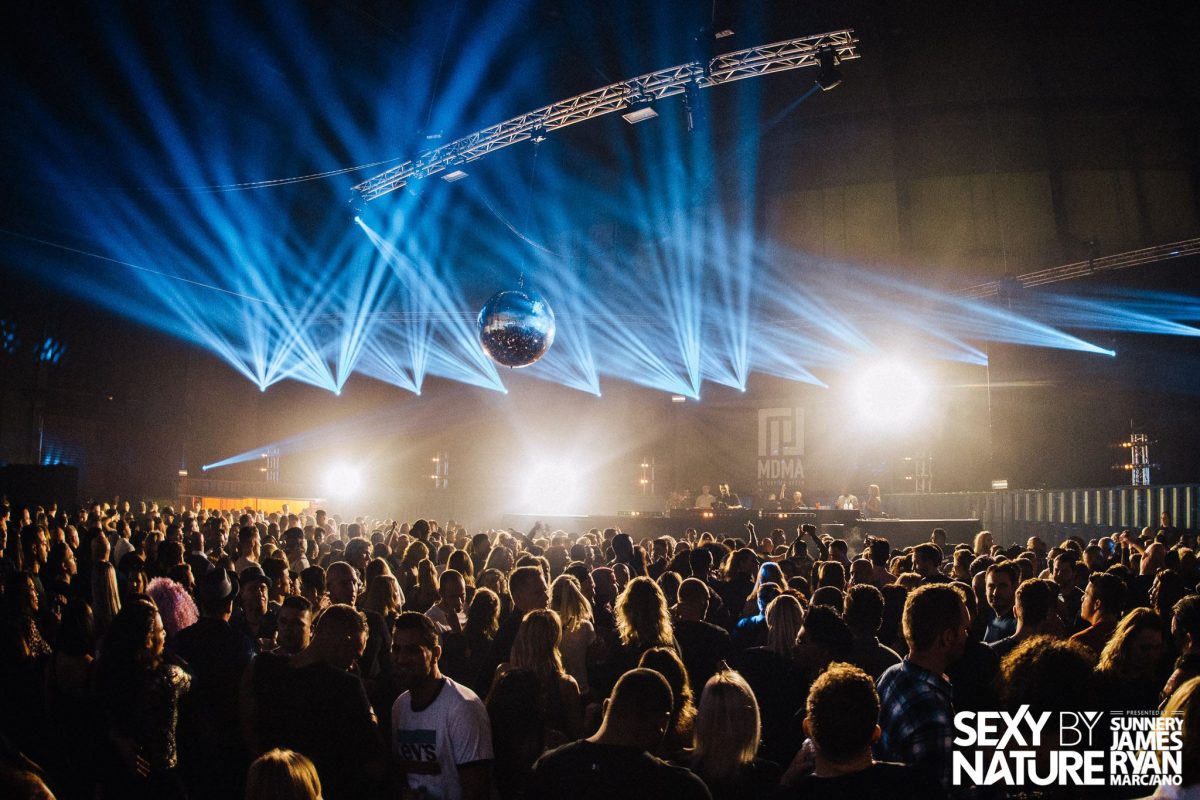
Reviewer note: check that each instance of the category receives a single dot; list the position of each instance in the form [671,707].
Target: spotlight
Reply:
[640,114]
[343,480]
[890,395]
[456,175]
[830,76]
[552,488]
[678,398]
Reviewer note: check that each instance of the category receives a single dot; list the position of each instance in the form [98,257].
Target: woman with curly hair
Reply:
[740,571]
[1048,674]
[1129,666]
[643,619]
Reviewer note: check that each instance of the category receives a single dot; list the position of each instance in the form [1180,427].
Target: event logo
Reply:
[780,443]
[1067,748]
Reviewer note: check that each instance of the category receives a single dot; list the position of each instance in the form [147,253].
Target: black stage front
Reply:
[900,532]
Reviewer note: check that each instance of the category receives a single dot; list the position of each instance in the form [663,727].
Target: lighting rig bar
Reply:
[1081,269]
[726,68]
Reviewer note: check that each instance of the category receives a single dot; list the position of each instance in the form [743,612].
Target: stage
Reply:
[732,524]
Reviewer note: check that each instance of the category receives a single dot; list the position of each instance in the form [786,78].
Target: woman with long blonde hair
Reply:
[536,649]
[578,632]
[385,598]
[726,739]
[106,597]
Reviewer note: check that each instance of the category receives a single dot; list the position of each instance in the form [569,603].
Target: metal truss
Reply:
[726,68]
[1081,269]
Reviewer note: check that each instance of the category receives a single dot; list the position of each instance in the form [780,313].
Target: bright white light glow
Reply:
[552,488]
[343,480]
[890,394]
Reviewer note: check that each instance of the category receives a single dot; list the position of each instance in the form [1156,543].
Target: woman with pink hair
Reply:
[175,605]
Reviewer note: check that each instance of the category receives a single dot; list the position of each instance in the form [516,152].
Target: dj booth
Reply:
[732,523]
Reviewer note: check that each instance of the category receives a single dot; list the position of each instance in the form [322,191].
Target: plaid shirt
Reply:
[917,717]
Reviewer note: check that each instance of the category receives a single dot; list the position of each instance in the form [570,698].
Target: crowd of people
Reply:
[227,654]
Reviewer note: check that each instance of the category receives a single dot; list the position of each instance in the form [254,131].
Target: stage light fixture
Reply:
[639,115]
[829,76]
[456,175]
[678,398]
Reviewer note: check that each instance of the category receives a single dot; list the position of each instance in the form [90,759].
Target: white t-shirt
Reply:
[431,743]
[442,621]
[120,547]
[574,649]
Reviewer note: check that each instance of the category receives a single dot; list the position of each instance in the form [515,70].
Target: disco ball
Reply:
[516,327]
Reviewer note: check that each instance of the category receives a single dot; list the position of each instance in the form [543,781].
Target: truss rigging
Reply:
[726,68]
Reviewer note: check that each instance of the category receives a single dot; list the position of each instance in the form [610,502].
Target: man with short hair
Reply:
[1035,600]
[938,537]
[1063,574]
[357,554]
[879,550]
[1000,588]
[841,719]
[312,585]
[917,699]
[862,612]
[441,735]
[344,586]
[294,545]
[927,562]
[615,762]
[1103,601]
[702,644]
[293,626]
[449,612]
[705,499]
[313,704]
[249,547]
